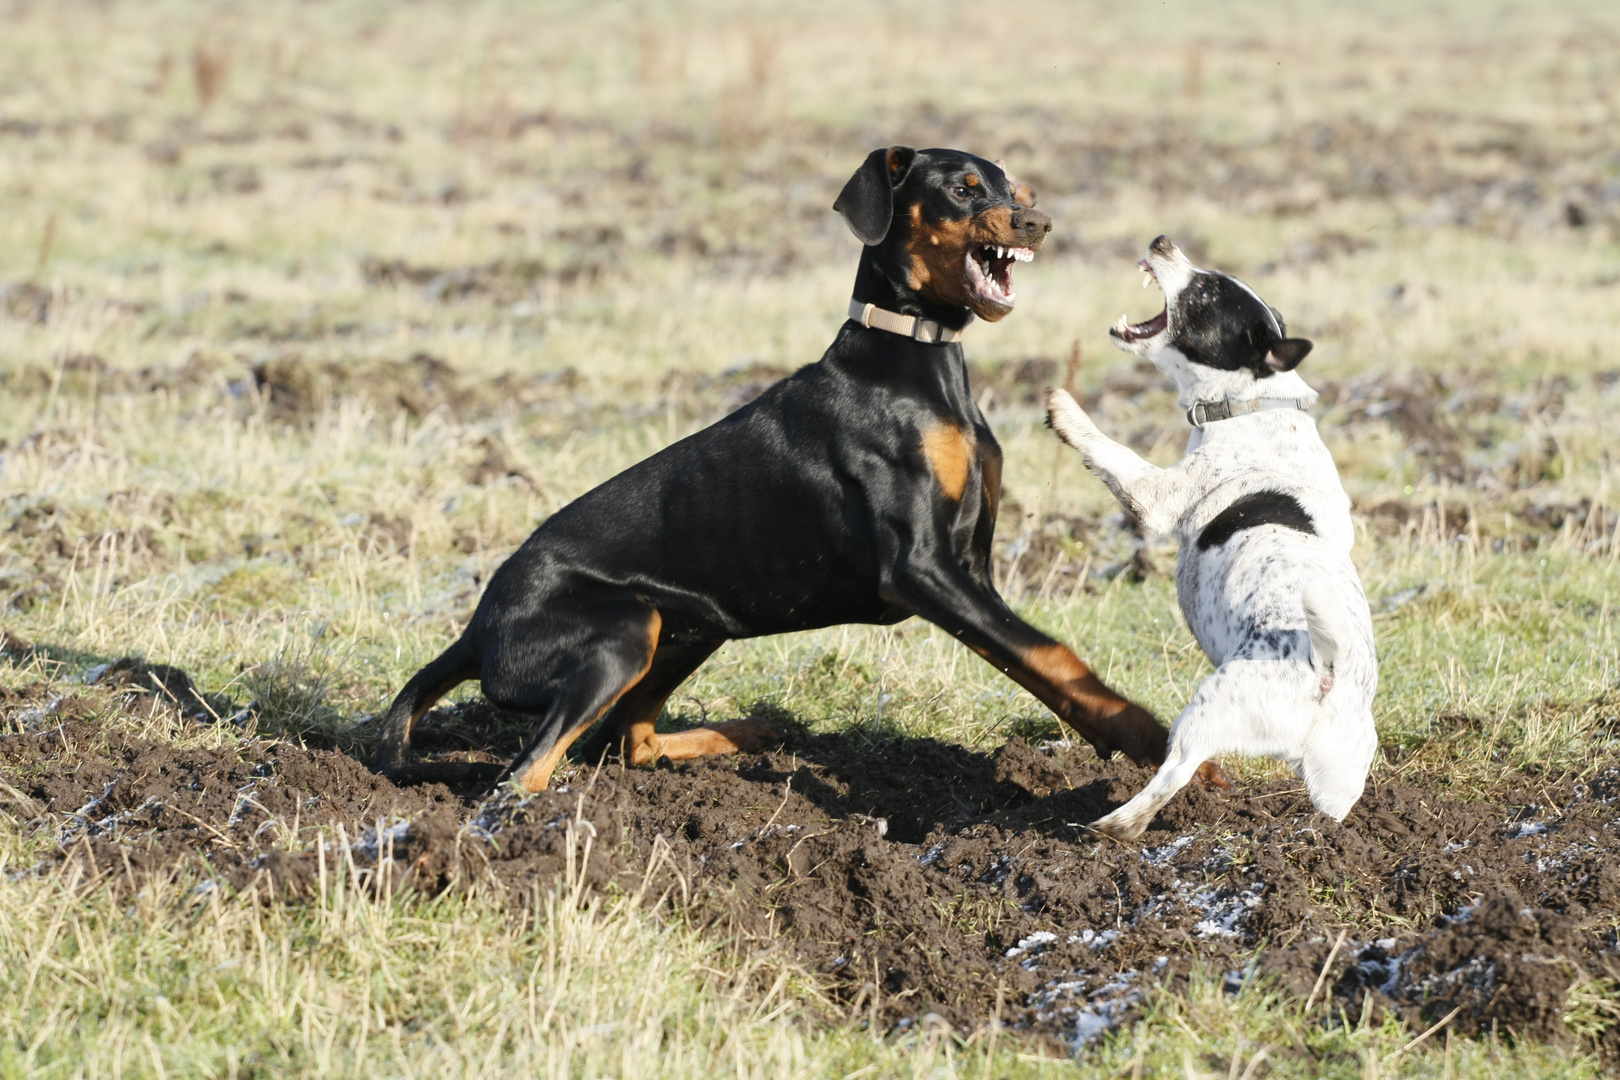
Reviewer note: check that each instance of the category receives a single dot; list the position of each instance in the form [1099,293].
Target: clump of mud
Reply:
[914,876]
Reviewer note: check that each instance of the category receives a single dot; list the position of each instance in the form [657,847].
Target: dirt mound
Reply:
[914,876]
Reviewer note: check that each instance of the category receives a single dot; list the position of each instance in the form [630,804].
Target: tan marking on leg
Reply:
[1056,663]
[1102,716]
[949,453]
[728,737]
[538,776]
[1128,728]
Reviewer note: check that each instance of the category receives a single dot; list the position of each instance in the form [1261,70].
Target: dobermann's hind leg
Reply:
[575,688]
[633,717]
[631,724]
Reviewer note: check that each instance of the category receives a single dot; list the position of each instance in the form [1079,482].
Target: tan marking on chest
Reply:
[949,452]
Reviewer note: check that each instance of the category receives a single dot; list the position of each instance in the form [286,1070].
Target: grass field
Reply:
[309,313]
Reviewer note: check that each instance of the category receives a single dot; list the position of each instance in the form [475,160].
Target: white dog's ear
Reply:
[1286,354]
[1023,194]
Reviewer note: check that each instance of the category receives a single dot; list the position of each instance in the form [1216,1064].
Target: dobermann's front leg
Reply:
[942,592]
[1158,497]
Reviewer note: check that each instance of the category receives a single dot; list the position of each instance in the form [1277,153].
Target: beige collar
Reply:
[912,326]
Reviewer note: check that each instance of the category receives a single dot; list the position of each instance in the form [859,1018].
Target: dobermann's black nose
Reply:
[1033,224]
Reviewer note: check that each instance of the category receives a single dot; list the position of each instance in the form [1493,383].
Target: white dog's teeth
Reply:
[1147,279]
[1122,323]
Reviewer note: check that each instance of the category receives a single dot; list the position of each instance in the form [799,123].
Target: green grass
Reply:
[201,195]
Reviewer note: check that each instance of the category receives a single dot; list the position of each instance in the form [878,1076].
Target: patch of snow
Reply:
[1038,940]
[1098,941]
[1160,856]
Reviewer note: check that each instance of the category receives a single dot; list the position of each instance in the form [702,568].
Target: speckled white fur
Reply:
[1280,613]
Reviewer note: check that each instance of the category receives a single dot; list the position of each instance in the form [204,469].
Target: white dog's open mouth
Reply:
[1127,331]
[989,272]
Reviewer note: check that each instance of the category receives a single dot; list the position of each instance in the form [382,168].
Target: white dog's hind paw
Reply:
[1123,824]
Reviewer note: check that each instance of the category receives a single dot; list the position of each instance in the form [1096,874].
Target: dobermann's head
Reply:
[942,230]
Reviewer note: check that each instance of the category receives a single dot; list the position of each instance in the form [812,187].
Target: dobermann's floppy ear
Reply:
[1286,354]
[867,201]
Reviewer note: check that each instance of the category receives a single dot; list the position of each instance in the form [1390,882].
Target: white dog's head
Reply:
[1215,337]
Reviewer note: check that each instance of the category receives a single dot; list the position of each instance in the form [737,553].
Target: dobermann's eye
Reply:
[960,192]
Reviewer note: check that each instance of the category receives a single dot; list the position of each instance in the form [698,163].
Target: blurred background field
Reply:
[310,312]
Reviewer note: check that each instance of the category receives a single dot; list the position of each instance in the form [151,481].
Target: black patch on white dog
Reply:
[1261,508]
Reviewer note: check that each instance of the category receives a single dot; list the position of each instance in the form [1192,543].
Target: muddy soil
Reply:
[913,876]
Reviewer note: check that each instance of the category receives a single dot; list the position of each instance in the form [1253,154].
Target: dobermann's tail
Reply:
[454,666]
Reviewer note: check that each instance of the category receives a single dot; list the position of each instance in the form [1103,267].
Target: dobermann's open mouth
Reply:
[1125,330]
[989,271]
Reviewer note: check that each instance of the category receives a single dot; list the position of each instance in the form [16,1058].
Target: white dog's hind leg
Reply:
[1246,706]
[1180,765]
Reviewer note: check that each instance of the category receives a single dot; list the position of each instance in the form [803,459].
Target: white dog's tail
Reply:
[1328,625]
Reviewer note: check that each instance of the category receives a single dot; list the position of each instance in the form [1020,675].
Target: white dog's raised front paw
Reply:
[1068,419]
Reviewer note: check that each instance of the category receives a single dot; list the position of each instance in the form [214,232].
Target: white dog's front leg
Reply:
[1156,496]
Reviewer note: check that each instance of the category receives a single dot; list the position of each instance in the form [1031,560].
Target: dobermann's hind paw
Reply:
[727,737]
[753,733]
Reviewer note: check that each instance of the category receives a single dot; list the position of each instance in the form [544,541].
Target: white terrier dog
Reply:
[1264,573]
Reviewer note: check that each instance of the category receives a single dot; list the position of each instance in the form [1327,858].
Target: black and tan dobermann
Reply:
[861,489]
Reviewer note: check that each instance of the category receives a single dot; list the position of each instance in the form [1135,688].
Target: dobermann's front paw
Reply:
[1134,732]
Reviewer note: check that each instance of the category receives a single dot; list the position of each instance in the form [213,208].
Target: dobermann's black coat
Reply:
[863,488]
